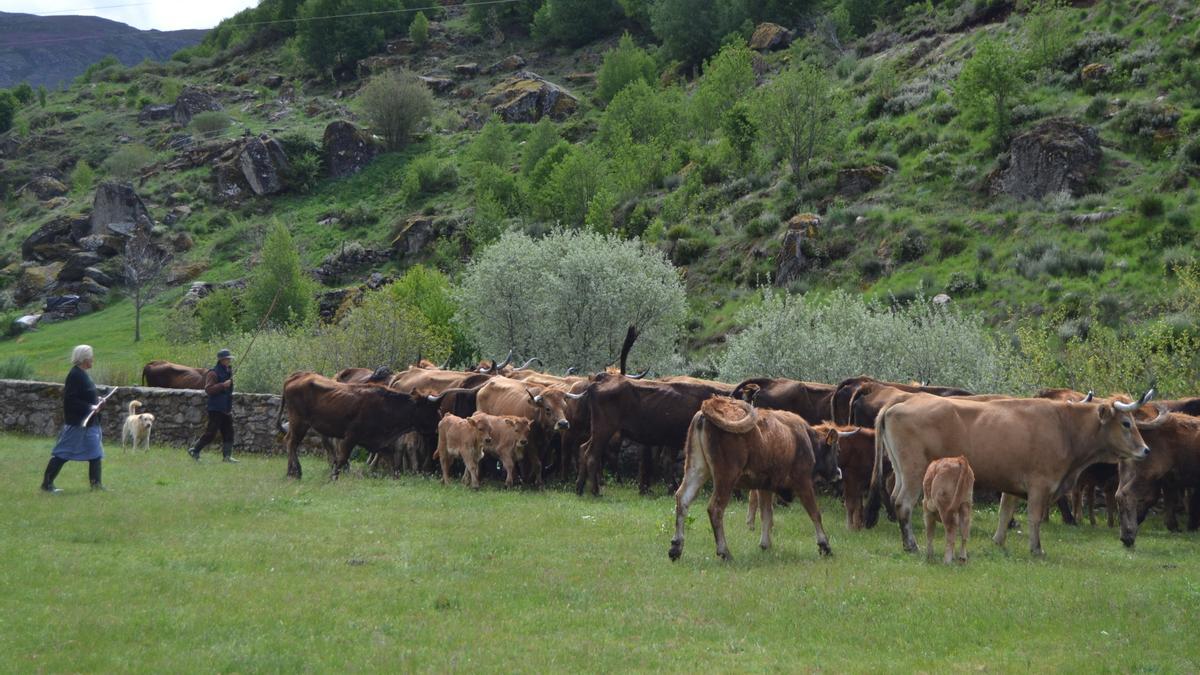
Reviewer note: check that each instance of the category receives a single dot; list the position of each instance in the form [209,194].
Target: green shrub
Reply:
[216,315]
[429,175]
[727,78]
[358,30]
[23,93]
[8,110]
[690,30]
[210,123]
[574,22]
[493,145]
[279,291]
[82,177]
[1150,206]
[990,81]
[622,65]
[542,137]
[16,368]
[127,162]
[911,246]
[397,103]
[418,30]
[304,172]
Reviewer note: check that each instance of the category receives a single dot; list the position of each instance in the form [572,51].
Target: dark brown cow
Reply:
[739,446]
[647,412]
[810,400]
[1173,465]
[1185,406]
[369,415]
[856,458]
[169,375]
[381,375]
[1032,448]
[849,389]
[1097,476]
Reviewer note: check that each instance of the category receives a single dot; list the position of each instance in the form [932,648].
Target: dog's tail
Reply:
[134,407]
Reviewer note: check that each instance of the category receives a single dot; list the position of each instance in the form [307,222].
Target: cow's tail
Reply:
[143,376]
[279,423]
[878,485]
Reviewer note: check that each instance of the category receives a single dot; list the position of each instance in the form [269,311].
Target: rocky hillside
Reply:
[1078,211]
[54,50]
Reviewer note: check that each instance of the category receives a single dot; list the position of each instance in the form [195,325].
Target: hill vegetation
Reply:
[1035,162]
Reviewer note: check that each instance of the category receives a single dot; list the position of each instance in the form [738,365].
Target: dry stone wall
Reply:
[36,408]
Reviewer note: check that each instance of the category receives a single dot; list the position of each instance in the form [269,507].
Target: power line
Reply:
[92,9]
[270,22]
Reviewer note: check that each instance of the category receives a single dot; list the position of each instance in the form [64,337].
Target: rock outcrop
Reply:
[528,97]
[770,36]
[263,163]
[346,149]
[45,187]
[117,209]
[1058,155]
[792,260]
[192,101]
[858,180]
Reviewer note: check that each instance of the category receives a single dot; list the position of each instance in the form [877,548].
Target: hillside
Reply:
[1078,212]
[54,50]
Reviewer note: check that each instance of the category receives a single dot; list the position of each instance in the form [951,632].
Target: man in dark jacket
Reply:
[218,384]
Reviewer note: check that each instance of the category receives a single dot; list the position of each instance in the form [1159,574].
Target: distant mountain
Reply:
[52,50]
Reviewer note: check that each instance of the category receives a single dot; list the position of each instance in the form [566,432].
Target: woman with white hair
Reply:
[78,442]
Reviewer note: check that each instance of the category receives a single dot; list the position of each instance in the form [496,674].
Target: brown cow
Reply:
[948,486]
[381,375]
[855,448]
[810,400]
[1174,465]
[849,389]
[369,415]
[739,446]
[465,439]
[647,412]
[509,440]
[1032,448]
[169,375]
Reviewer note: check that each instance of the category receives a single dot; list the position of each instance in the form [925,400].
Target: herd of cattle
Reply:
[774,437]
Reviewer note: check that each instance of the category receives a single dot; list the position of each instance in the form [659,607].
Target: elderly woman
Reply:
[78,442]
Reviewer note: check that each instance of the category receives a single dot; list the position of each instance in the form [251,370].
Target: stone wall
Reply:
[36,408]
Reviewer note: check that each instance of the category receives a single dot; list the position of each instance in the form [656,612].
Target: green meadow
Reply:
[213,567]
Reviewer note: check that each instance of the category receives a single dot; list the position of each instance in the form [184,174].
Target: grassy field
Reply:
[215,567]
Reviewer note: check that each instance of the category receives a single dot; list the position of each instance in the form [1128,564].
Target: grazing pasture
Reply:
[214,567]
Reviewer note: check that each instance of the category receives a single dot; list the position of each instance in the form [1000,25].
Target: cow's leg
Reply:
[1110,500]
[342,461]
[506,459]
[1064,506]
[471,464]
[535,461]
[1008,506]
[1085,500]
[964,528]
[930,523]
[695,475]
[905,494]
[1171,508]
[295,436]
[1037,504]
[591,462]
[753,509]
[767,504]
[645,458]
[443,453]
[804,491]
[722,492]
[1193,503]
[950,522]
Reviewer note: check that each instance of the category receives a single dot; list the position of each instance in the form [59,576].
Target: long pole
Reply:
[261,324]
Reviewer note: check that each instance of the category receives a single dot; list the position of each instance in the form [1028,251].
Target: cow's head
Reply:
[825,455]
[520,427]
[483,431]
[1119,429]
[550,406]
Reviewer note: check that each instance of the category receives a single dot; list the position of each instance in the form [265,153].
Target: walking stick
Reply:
[261,324]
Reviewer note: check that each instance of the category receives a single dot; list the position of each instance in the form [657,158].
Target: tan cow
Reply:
[739,446]
[509,440]
[855,448]
[465,439]
[949,485]
[1031,448]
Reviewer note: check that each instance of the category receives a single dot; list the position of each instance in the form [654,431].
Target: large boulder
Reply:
[438,85]
[192,101]
[770,36]
[528,97]
[35,281]
[346,149]
[55,240]
[854,181]
[45,187]
[156,112]
[1058,155]
[77,265]
[118,209]
[263,163]
[506,64]
[793,259]
[413,235]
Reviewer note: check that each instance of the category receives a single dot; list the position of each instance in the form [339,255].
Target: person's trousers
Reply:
[218,422]
[56,465]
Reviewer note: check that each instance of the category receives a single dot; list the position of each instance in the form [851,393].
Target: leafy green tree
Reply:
[861,15]
[278,279]
[216,314]
[568,297]
[540,175]
[637,11]
[1047,33]
[429,291]
[418,30]
[641,114]
[23,92]
[727,78]
[574,22]
[8,110]
[622,65]
[800,113]
[543,137]
[741,132]
[571,185]
[397,103]
[989,83]
[82,177]
[42,95]
[494,145]
[690,30]
[358,32]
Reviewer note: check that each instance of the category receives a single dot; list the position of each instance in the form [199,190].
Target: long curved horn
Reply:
[507,360]
[445,365]
[639,375]
[525,365]
[1130,407]
[1087,399]
[536,398]
[1161,419]
[571,371]
[846,434]
[576,397]
[457,390]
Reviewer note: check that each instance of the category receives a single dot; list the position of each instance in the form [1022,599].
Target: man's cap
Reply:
[224,354]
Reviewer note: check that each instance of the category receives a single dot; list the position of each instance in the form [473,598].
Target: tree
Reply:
[42,95]
[397,103]
[358,31]
[989,83]
[624,64]
[567,298]
[574,22]
[144,264]
[728,76]
[543,137]
[278,280]
[23,92]
[1047,33]
[8,110]
[493,145]
[128,162]
[429,291]
[801,112]
[418,30]
[692,30]
[571,186]
[741,132]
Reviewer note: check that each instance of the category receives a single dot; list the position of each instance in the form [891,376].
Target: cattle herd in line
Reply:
[774,437]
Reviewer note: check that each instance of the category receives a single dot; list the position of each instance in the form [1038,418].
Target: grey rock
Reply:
[1058,155]
[77,265]
[263,164]
[192,101]
[156,112]
[117,208]
[346,148]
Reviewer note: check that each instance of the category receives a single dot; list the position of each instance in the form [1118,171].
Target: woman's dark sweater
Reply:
[79,395]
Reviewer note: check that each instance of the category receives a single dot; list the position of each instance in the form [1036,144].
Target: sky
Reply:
[144,14]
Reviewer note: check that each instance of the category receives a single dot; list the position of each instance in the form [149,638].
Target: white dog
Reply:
[137,426]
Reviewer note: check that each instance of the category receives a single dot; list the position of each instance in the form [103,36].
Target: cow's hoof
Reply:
[1128,541]
[725,556]
[824,549]
[675,551]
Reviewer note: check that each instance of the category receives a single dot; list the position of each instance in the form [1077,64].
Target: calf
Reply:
[465,439]
[509,436]
[948,487]
[741,447]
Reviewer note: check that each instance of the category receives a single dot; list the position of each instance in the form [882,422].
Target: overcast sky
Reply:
[144,14]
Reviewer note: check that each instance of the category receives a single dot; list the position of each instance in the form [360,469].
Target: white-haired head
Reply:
[81,355]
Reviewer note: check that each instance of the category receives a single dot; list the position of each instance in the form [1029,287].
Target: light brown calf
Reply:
[465,439]
[948,487]
[509,439]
